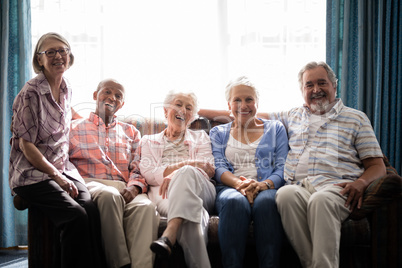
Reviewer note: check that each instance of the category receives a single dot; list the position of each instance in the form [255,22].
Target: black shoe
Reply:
[162,247]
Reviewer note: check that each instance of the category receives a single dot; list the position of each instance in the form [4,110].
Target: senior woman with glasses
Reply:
[250,155]
[39,170]
[177,165]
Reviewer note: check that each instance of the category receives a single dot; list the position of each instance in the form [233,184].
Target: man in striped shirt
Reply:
[334,155]
[104,151]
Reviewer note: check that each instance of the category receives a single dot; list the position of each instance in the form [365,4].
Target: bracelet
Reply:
[268,185]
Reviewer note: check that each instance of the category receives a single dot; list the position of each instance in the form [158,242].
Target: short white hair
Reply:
[244,81]
[172,95]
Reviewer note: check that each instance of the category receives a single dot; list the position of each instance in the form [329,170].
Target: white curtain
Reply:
[154,46]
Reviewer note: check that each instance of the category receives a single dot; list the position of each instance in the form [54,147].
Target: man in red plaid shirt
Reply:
[104,151]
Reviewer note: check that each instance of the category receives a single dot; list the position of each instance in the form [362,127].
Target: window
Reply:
[154,46]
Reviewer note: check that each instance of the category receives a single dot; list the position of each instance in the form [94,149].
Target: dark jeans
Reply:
[77,219]
[236,214]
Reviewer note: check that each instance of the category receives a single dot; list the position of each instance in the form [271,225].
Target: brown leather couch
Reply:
[370,237]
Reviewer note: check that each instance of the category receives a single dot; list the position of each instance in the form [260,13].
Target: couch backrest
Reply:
[148,126]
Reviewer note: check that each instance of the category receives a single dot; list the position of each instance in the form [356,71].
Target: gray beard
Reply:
[319,107]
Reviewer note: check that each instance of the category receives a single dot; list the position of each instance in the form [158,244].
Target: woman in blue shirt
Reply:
[250,155]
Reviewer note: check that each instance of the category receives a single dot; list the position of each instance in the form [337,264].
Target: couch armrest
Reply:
[380,192]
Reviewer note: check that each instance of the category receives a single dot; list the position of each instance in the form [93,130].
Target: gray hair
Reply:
[313,65]
[37,68]
[244,81]
[171,96]
[103,82]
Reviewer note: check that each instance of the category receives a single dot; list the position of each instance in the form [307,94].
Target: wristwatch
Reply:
[268,185]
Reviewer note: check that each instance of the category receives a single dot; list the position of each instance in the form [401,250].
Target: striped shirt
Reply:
[108,153]
[337,149]
[39,119]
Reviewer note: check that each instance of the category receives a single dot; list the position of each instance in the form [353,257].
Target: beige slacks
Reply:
[190,196]
[312,222]
[127,229]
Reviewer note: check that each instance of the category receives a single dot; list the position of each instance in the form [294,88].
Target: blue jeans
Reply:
[235,216]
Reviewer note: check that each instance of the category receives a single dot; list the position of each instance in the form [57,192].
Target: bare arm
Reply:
[35,157]
[223,116]
[74,114]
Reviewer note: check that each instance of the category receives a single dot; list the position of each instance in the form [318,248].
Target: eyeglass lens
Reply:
[52,52]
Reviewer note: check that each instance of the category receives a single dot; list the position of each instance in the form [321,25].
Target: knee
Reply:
[108,194]
[80,212]
[186,173]
[264,202]
[320,199]
[109,199]
[286,195]
[237,204]
[149,208]
[187,177]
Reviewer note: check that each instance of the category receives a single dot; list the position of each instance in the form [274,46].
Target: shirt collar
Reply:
[94,118]
[44,87]
[159,137]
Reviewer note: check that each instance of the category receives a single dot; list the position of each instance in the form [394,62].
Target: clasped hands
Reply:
[249,188]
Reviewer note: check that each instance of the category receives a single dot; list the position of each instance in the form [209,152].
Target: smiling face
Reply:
[53,67]
[109,99]
[243,103]
[318,91]
[180,112]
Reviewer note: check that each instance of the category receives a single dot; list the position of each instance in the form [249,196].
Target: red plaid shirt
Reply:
[108,153]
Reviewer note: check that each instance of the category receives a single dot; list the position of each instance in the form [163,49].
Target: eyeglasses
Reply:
[52,52]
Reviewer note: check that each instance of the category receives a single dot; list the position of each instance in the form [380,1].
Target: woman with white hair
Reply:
[250,155]
[178,165]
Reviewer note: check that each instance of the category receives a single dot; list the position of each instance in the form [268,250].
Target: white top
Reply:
[242,157]
[174,153]
[302,167]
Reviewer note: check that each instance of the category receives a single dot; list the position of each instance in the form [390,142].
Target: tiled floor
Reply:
[14,258]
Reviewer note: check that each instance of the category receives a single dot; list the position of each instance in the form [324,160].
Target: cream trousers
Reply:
[190,196]
[312,222]
[127,229]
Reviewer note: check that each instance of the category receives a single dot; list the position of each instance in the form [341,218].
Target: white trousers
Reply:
[312,222]
[190,196]
[127,229]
